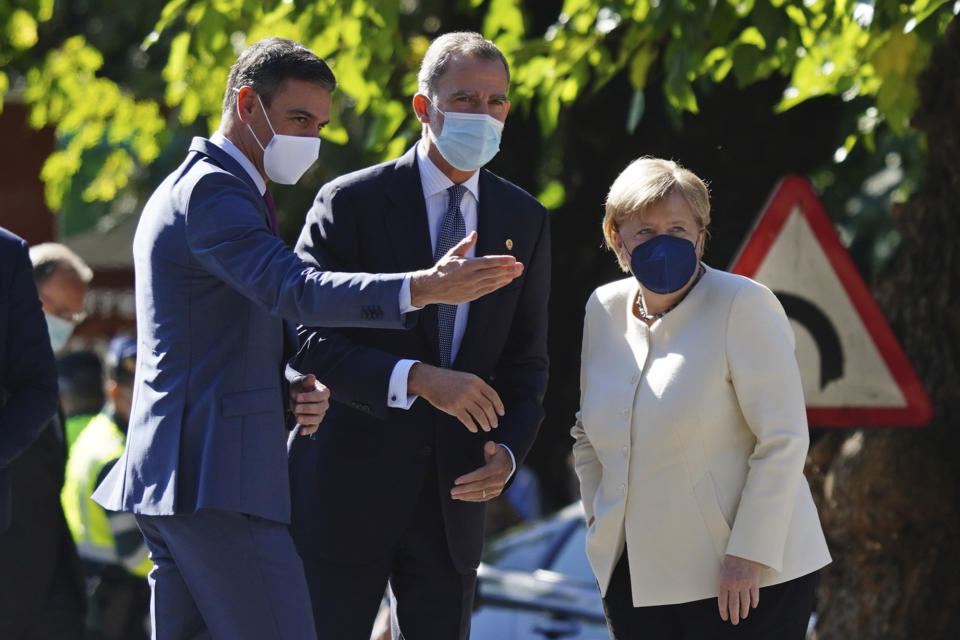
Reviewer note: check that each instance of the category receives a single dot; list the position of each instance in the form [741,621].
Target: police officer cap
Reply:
[122,358]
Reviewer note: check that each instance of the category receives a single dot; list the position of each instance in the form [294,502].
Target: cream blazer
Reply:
[691,439]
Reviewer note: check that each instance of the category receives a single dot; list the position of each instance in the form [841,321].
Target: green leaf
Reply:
[21,29]
[640,65]
[553,195]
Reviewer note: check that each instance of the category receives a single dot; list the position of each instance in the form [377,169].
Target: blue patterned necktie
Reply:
[452,231]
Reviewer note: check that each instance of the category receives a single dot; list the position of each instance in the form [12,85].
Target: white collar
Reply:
[435,181]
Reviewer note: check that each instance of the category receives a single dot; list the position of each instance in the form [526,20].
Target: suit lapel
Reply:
[405,221]
[492,232]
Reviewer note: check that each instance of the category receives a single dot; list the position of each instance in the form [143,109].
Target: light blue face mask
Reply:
[468,140]
[59,330]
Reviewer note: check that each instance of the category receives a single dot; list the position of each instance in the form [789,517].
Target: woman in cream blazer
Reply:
[692,435]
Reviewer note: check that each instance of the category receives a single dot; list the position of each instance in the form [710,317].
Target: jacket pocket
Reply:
[243,403]
[716,523]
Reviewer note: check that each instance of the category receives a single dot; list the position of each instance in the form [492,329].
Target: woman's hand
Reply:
[739,588]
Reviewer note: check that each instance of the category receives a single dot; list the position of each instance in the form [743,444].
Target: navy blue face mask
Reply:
[664,263]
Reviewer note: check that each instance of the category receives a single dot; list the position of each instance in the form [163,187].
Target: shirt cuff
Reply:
[513,461]
[405,305]
[397,397]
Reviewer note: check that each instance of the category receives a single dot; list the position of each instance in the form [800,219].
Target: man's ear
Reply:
[246,103]
[421,107]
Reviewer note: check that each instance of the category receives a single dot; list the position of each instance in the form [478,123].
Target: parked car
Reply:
[535,583]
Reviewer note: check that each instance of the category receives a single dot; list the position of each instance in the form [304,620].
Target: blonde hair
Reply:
[645,182]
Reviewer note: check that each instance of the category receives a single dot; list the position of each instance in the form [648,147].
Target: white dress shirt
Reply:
[435,184]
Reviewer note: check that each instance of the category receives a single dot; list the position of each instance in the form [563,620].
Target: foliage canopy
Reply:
[114,123]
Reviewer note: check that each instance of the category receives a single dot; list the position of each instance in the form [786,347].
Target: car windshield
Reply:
[556,544]
[571,559]
[528,549]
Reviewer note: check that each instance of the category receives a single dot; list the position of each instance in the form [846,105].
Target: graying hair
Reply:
[466,43]
[49,257]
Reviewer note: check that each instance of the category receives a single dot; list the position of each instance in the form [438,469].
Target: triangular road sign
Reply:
[854,372]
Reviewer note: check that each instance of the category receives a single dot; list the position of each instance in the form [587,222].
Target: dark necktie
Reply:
[452,231]
[271,211]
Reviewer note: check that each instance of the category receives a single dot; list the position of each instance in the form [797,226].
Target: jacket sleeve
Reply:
[226,234]
[585,461]
[520,375]
[357,375]
[766,380]
[29,376]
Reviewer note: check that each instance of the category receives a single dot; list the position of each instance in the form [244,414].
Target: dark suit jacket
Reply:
[213,286]
[35,544]
[28,375]
[356,483]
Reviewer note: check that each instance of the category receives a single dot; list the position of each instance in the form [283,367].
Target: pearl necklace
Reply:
[649,317]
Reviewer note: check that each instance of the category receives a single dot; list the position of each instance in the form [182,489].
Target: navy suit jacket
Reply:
[28,374]
[355,483]
[213,286]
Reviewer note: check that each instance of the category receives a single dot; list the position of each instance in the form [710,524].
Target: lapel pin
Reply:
[509,244]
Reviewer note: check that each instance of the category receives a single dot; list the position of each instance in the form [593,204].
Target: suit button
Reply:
[625,450]
[625,413]
[426,451]
[634,379]
[622,490]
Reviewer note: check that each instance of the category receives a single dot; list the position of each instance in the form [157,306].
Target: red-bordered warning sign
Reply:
[854,372]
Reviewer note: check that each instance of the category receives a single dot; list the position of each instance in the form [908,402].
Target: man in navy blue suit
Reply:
[204,467]
[425,426]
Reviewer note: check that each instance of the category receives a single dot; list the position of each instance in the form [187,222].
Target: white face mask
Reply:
[59,330]
[468,140]
[287,158]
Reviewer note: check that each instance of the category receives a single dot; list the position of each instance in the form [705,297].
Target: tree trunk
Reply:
[888,497]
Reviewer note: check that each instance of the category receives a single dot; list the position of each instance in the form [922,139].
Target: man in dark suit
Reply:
[392,486]
[204,467]
[28,377]
[41,586]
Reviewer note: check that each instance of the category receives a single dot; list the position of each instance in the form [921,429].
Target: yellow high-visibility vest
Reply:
[100,443]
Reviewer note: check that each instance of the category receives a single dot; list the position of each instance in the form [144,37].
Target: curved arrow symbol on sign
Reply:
[823,332]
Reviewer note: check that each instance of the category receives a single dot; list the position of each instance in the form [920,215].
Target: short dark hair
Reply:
[265,65]
[466,43]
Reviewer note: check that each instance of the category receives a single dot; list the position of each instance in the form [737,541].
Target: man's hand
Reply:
[487,481]
[459,394]
[456,279]
[309,401]
[739,588]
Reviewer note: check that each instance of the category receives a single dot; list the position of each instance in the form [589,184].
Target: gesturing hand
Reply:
[462,395]
[739,588]
[486,482]
[309,401]
[456,279]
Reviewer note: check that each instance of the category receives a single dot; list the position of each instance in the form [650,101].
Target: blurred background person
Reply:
[112,551]
[692,432]
[41,585]
[80,378]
